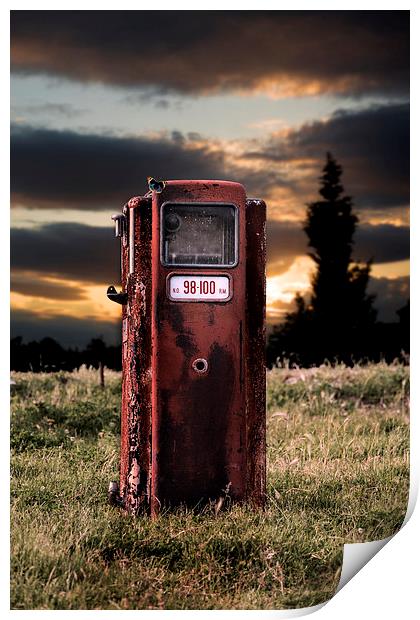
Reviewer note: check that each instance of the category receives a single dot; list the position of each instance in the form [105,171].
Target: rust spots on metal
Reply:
[134,202]
[193,402]
[136,411]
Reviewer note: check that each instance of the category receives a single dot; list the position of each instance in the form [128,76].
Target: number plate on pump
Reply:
[199,288]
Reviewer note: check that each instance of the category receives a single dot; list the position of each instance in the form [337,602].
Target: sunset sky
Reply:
[103,99]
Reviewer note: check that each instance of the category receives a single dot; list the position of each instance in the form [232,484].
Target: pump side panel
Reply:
[199,421]
[255,347]
[125,396]
[136,412]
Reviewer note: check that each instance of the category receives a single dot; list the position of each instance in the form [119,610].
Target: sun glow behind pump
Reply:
[193,306]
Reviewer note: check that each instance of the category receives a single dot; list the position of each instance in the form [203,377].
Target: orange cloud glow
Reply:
[281,289]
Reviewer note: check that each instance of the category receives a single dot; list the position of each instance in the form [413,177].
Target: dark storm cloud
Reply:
[65,250]
[68,169]
[34,286]
[58,169]
[383,243]
[91,254]
[200,51]
[372,145]
[67,330]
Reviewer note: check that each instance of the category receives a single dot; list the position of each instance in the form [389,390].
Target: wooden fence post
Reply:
[101,375]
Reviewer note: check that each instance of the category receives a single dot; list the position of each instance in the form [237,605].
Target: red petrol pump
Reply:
[193,341]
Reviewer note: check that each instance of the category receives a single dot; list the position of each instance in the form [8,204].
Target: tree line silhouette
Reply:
[47,355]
[336,322]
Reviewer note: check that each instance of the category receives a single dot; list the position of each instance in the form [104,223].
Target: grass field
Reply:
[338,471]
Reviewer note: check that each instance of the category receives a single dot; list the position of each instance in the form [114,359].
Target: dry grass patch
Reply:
[337,472]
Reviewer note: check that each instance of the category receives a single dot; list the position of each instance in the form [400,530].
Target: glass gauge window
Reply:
[199,234]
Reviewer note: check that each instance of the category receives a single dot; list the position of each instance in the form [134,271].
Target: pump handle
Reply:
[119,298]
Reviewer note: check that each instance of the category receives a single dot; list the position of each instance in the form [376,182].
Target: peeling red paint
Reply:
[135,202]
[188,435]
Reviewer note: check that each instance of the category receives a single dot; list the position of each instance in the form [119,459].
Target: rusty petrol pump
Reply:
[193,339]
